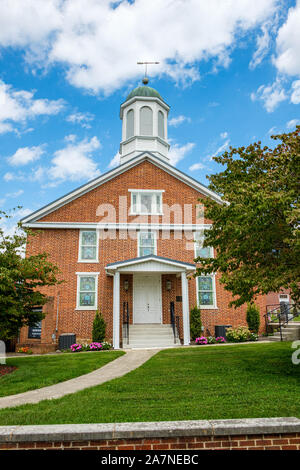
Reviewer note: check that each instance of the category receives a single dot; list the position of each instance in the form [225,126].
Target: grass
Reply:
[220,382]
[36,372]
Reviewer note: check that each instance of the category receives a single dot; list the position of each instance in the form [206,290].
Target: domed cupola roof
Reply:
[144,91]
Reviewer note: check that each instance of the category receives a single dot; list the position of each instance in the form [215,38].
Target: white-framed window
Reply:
[206,291]
[146,202]
[146,243]
[129,124]
[146,121]
[161,125]
[87,291]
[284,298]
[206,252]
[88,246]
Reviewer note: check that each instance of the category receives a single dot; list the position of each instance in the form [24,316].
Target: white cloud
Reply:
[74,162]
[295,96]
[219,150]
[224,135]
[15,194]
[19,106]
[196,166]
[25,155]
[176,121]
[178,152]
[115,161]
[287,60]
[99,42]
[82,119]
[292,123]
[262,42]
[270,95]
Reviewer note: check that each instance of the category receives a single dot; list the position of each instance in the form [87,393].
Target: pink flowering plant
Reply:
[201,340]
[220,339]
[210,340]
[94,346]
[76,347]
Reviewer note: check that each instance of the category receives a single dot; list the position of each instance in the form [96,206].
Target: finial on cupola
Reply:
[146,79]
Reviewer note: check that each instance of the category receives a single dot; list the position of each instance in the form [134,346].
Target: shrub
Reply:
[240,334]
[253,317]
[211,340]
[99,328]
[195,323]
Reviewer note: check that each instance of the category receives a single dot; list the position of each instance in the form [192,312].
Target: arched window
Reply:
[161,125]
[146,121]
[130,124]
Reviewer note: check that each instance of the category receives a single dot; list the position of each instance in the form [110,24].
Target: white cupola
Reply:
[144,117]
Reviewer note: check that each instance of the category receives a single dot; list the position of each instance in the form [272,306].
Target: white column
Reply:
[116,311]
[185,309]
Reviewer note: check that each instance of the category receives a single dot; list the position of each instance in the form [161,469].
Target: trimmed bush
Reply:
[240,334]
[253,318]
[195,323]
[99,328]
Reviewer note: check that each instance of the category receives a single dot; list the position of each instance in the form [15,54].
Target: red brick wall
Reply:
[245,442]
[63,244]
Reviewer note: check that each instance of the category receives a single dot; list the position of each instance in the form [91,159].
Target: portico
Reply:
[148,292]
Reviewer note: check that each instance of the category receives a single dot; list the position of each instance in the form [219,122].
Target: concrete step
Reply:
[150,336]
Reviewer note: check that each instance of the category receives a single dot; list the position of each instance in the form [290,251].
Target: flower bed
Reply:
[4,370]
[25,350]
[94,346]
[210,340]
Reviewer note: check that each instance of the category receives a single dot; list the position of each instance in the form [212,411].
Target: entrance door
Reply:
[147,298]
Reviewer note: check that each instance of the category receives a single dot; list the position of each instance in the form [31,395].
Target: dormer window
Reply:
[146,202]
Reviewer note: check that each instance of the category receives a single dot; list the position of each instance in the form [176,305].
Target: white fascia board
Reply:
[112,226]
[152,258]
[115,172]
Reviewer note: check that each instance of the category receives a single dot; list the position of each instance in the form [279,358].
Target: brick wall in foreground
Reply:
[250,442]
[239,434]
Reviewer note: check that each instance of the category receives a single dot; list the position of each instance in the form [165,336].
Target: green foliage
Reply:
[255,231]
[195,323]
[240,334]
[253,317]
[99,328]
[20,281]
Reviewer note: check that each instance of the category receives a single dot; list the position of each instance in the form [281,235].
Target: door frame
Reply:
[158,275]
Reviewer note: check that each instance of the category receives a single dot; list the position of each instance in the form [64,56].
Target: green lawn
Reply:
[41,371]
[222,382]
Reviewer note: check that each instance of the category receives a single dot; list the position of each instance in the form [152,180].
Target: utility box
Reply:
[220,330]
[66,340]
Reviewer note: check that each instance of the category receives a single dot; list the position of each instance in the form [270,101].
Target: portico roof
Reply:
[150,264]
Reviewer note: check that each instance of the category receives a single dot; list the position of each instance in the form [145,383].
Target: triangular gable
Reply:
[87,187]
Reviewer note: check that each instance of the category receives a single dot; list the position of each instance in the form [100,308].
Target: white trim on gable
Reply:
[115,172]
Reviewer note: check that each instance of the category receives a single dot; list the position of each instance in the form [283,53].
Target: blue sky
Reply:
[230,71]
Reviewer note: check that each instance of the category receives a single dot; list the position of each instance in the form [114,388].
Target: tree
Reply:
[20,281]
[195,323]
[255,232]
[99,328]
[253,317]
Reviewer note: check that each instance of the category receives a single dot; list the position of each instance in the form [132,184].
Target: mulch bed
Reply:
[6,369]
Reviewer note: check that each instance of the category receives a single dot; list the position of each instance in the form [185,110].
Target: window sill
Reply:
[87,261]
[85,308]
[207,307]
[145,213]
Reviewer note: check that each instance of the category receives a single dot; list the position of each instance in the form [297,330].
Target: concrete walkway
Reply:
[121,366]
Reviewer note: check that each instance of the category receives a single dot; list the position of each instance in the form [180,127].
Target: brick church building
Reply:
[125,244]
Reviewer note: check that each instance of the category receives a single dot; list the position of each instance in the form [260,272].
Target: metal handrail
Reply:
[285,311]
[126,321]
[172,318]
